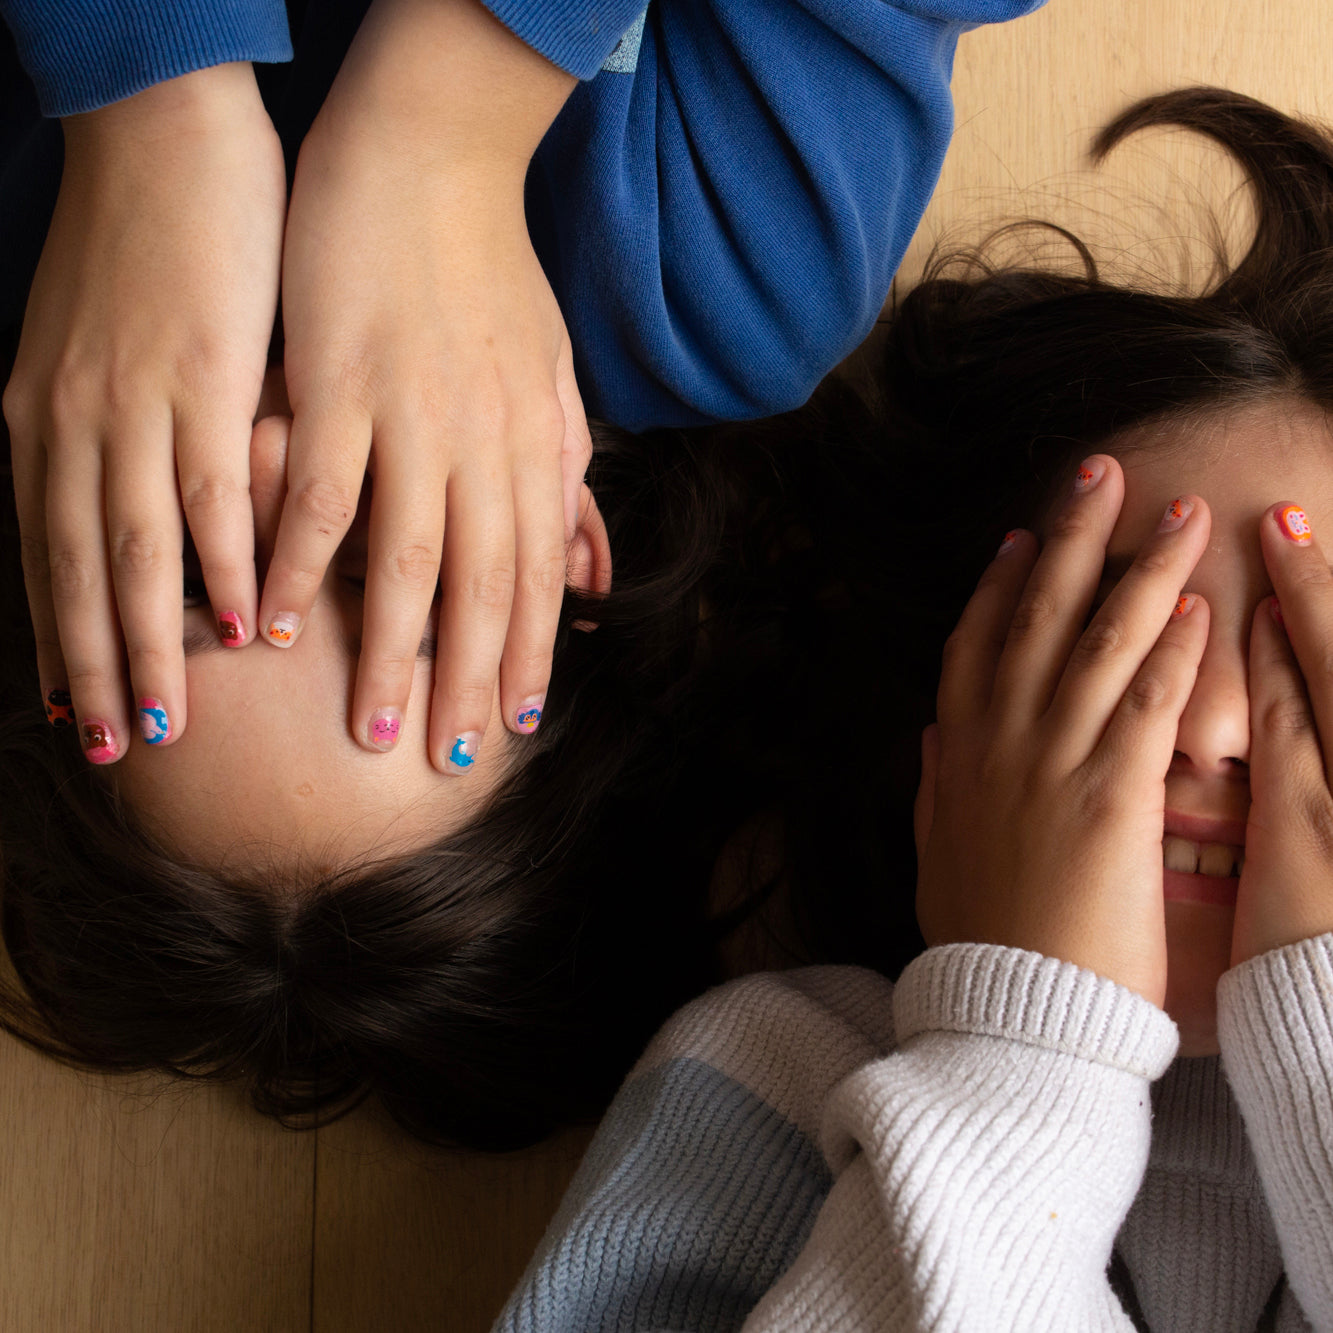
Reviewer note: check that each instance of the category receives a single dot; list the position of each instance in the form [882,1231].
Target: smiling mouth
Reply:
[1217,860]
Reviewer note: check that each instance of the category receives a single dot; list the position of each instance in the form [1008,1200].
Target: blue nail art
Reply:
[459,755]
[153,721]
[528,718]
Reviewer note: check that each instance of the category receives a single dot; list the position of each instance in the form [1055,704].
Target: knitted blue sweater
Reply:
[720,206]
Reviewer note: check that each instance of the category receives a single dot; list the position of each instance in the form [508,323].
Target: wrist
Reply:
[453,82]
[204,100]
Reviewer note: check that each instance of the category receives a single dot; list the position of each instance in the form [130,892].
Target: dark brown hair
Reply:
[500,981]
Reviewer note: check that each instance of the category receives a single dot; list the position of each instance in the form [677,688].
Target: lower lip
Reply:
[1179,887]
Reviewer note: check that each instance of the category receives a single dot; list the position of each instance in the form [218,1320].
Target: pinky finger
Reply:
[29,467]
[1141,737]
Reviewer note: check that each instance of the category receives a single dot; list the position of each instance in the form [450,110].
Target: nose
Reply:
[1214,732]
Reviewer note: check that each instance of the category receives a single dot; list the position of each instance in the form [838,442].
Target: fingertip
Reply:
[157,724]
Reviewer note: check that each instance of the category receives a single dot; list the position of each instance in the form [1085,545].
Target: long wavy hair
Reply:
[500,981]
[770,650]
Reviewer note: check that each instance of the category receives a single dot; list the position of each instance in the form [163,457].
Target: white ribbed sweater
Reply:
[822,1150]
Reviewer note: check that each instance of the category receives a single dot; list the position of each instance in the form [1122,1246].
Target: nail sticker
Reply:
[1007,545]
[528,717]
[1184,605]
[59,708]
[231,628]
[385,724]
[99,744]
[282,628]
[1087,477]
[1293,522]
[153,721]
[464,753]
[1176,514]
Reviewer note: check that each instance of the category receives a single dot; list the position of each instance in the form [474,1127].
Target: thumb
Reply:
[923,810]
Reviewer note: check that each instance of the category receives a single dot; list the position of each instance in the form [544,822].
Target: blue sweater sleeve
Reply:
[721,220]
[84,54]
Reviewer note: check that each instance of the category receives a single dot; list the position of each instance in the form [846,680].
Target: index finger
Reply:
[1304,587]
[326,465]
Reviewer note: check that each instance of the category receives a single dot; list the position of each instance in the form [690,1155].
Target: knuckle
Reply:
[414,565]
[1309,574]
[492,588]
[1034,613]
[1288,717]
[1148,692]
[136,552]
[73,574]
[1317,816]
[472,698]
[545,577]
[211,494]
[1154,560]
[1100,641]
[326,505]
[1071,521]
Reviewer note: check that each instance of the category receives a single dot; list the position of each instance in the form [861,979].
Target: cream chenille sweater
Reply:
[1000,1141]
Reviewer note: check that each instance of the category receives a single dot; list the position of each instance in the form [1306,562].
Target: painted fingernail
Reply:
[1184,605]
[232,629]
[463,753]
[1294,524]
[153,721]
[1008,544]
[529,714]
[283,627]
[1090,472]
[1275,610]
[385,724]
[59,708]
[99,742]
[1176,514]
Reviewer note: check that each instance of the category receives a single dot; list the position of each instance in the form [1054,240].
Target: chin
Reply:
[1198,951]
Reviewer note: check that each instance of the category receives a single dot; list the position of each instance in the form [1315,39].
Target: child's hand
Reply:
[142,356]
[422,336]
[1039,823]
[1286,885]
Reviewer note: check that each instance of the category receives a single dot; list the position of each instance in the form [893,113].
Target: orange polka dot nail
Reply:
[59,708]
[1294,524]
[282,629]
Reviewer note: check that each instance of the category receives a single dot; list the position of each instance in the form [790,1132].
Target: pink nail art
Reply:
[231,628]
[99,742]
[1294,524]
[529,715]
[385,725]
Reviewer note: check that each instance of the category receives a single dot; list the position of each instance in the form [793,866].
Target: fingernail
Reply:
[464,752]
[385,724]
[232,629]
[529,714]
[153,721]
[99,742]
[1275,609]
[1184,605]
[1090,472]
[1008,544]
[59,708]
[282,628]
[1294,524]
[1176,514]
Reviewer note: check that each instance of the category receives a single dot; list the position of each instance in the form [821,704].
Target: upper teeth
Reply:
[1204,858]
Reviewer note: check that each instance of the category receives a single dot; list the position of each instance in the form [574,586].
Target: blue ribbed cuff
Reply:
[85,54]
[577,35]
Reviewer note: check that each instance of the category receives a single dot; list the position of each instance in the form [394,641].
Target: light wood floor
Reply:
[132,1209]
